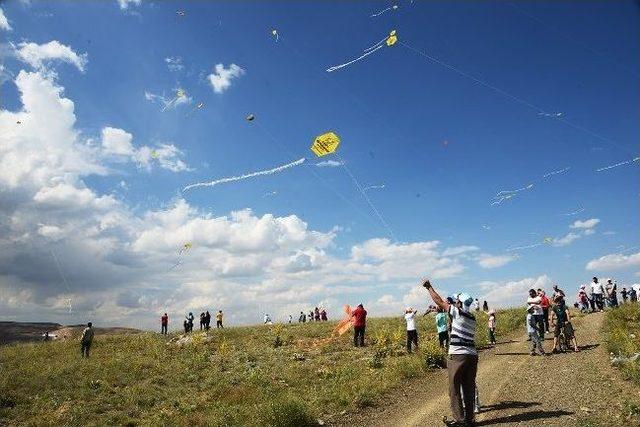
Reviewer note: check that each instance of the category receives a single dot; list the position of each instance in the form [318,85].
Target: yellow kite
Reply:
[326,143]
[392,39]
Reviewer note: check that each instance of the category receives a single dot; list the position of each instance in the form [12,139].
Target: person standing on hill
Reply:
[463,357]
[302,318]
[202,320]
[561,320]
[441,325]
[412,332]
[535,346]
[190,319]
[207,320]
[544,303]
[359,324]
[164,323]
[323,315]
[485,306]
[612,291]
[633,295]
[623,292]
[316,314]
[86,340]
[219,316]
[597,290]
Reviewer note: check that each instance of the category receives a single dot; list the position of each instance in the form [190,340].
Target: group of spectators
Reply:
[187,324]
[317,314]
[542,311]
[596,297]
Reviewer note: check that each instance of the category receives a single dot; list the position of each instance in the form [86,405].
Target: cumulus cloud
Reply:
[4,22]
[510,293]
[221,78]
[587,224]
[614,262]
[566,240]
[124,4]
[39,55]
[494,261]
[459,250]
[117,143]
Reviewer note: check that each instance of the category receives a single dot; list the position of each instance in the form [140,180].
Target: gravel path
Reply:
[571,389]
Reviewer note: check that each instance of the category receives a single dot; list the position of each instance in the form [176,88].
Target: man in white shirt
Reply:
[412,332]
[533,302]
[597,291]
[462,365]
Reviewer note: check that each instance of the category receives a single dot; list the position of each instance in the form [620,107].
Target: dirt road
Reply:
[572,389]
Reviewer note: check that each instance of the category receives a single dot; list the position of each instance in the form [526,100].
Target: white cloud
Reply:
[511,293]
[329,164]
[221,78]
[590,223]
[459,250]
[4,22]
[117,141]
[38,55]
[614,262]
[566,240]
[124,4]
[174,63]
[494,261]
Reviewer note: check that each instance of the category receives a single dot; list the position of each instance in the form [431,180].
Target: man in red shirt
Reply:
[164,321]
[544,303]
[359,322]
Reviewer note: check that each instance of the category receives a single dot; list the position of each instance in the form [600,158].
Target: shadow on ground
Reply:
[508,404]
[525,416]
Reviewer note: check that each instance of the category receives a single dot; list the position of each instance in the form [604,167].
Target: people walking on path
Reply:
[492,327]
[597,291]
[534,301]
[535,345]
[164,323]
[463,358]
[544,303]
[86,340]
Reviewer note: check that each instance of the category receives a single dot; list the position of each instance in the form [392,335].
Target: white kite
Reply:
[508,194]
[390,40]
[245,176]
[374,187]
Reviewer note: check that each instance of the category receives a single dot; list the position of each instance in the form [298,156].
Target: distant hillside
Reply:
[11,332]
[24,331]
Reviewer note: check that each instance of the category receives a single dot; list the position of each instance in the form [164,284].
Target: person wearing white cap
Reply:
[412,332]
[463,357]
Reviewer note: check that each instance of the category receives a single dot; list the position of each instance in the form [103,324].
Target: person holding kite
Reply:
[463,357]
[359,316]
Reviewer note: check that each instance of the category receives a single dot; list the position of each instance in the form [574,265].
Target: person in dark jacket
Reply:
[359,323]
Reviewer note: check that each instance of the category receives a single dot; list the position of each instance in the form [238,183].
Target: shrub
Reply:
[433,356]
[622,331]
[288,413]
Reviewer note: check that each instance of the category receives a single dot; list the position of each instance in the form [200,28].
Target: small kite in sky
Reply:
[181,13]
[181,252]
[250,117]
[245,176]
[275,34]
[547,240]
[574,212]
[390,40]
[154,154]
[199,106]
[618,164]
[180,97]
[394,7]
[326,143]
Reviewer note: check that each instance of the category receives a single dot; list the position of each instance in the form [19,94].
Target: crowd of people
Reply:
[187,323]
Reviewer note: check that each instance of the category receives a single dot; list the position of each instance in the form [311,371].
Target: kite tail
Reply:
[346,64]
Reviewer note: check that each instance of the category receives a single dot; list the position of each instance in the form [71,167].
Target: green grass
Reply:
[622,334]
[237,376]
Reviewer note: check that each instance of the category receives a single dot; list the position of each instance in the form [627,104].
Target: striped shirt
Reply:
[463,331]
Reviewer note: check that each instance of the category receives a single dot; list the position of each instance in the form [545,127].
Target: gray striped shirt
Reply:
[463,331]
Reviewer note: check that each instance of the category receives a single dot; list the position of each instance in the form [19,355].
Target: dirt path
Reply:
[518,389]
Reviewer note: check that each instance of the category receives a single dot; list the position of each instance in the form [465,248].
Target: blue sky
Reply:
[394,110]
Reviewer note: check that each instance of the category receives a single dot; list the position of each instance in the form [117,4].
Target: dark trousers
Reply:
[539,322]
[358,336]
[443,337]
[546,318]
[599,301]
[492,335]
[219,324]
[84,349]
[592,302]
[163,330]
[412,338]
[462,369]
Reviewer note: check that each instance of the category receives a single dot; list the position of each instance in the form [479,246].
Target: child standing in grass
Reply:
[412,332]
[492,327]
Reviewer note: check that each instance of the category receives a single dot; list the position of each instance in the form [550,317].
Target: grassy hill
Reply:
[11,332]
[281,375]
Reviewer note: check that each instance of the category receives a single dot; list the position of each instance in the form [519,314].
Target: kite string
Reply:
[364,55]
[510,96]
[618,164]
[64,279]
[366,197]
